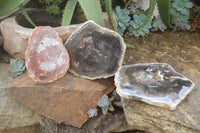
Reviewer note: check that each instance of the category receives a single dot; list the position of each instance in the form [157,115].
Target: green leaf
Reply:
[27,16]
[8,7]
[129,46]
[92,10]
[68,12]
[164,11]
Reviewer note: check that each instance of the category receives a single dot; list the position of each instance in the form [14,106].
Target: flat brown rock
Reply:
[66,100]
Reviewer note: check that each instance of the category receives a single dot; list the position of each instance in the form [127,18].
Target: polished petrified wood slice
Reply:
[95,52]
[154,83]
[46,57]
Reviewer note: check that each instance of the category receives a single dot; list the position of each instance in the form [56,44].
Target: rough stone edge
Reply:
[101,29]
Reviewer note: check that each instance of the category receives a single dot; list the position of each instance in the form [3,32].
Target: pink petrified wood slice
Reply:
[46,57]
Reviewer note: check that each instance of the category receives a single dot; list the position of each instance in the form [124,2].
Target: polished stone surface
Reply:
[154,83]
[95,52]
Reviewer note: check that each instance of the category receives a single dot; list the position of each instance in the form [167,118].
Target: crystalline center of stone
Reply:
[47,42]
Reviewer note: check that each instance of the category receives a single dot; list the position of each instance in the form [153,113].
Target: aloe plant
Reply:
[8,7]
[68,12]
[91,8]
[164,11]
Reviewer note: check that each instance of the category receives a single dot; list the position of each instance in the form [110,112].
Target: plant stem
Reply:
[144,12]
[150,12]
[108,4]
[126,6]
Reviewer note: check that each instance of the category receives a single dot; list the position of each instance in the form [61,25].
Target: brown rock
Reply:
[66,100]
[105,123]
[46,57]
[27,129]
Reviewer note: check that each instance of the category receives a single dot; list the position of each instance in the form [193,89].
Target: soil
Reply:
[4,57]
[157,46]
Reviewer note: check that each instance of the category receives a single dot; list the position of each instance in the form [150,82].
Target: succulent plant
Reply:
[17,66]
[92,112]
[137,22]
[122,17]
[104,103]
[180,11]
[158,25]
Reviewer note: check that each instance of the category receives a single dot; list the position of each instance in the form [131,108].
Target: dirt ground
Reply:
[157,46]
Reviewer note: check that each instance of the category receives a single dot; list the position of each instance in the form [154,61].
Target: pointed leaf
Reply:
[68,12]
[8,7]
[92,10]
[164,11]
[27,16]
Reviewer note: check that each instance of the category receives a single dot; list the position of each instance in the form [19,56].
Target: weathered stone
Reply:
[182,52]
[1,39]
[105,123]
[66,100]
[16,43]
[27,129]
[12,113]
[95,52]
[50,126]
